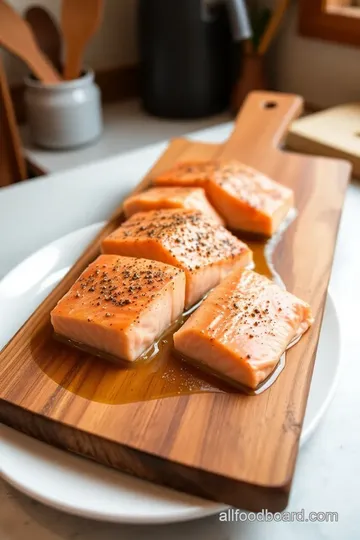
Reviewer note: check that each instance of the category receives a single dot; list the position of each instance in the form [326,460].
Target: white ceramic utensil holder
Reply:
[64,115]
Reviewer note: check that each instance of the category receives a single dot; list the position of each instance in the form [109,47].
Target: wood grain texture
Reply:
[233,448]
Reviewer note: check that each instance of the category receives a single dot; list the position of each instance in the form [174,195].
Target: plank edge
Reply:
[144,465]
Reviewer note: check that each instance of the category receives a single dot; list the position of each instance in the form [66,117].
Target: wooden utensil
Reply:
[259,18]
[252,78]
[46,33]
[17,37]
[273,26]
[12,163]
[80,19]
[233,448]
[334,133]
[253,71]
[248,47]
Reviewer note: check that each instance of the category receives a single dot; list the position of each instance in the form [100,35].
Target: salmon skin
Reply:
[187,239]
[241,330]
[120,305]
[246,199]
[158,198]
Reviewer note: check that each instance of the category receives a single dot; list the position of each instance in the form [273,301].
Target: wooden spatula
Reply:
[46,32]
[17,37]
[80,20]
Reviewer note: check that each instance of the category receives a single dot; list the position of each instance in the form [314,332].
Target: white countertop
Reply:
[126,127]
[328,469]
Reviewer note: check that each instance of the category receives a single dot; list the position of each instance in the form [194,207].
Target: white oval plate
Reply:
[80,486]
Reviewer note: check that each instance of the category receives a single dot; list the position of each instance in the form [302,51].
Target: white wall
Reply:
[325,73]
[114,45]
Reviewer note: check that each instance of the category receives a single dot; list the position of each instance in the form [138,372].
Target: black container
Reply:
[186,57]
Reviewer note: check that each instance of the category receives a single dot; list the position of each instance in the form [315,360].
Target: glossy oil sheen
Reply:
[158,373]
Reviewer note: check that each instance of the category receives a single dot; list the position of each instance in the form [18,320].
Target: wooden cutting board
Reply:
[334,133]
[228,447]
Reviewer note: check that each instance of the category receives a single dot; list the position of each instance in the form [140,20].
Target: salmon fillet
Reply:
[246,199]
[187,239]
[158,198]
[120,305]
[243,327]
[249,200]
[187,174]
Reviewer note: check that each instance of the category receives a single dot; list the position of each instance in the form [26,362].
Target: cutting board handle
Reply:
[261,125]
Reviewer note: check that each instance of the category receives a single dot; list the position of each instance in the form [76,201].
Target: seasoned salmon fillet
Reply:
[158,198]
[246,199]
[120,305]
[249,200]
[243,327]
[187,239]
[187,174]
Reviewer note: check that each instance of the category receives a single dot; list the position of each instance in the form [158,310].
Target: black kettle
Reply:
[186,57]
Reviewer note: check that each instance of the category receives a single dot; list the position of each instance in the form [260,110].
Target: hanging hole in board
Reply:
[357,134]
[270,105]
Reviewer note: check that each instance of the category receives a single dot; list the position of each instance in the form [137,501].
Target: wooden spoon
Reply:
[79,21]
[17,37]
[46,32]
